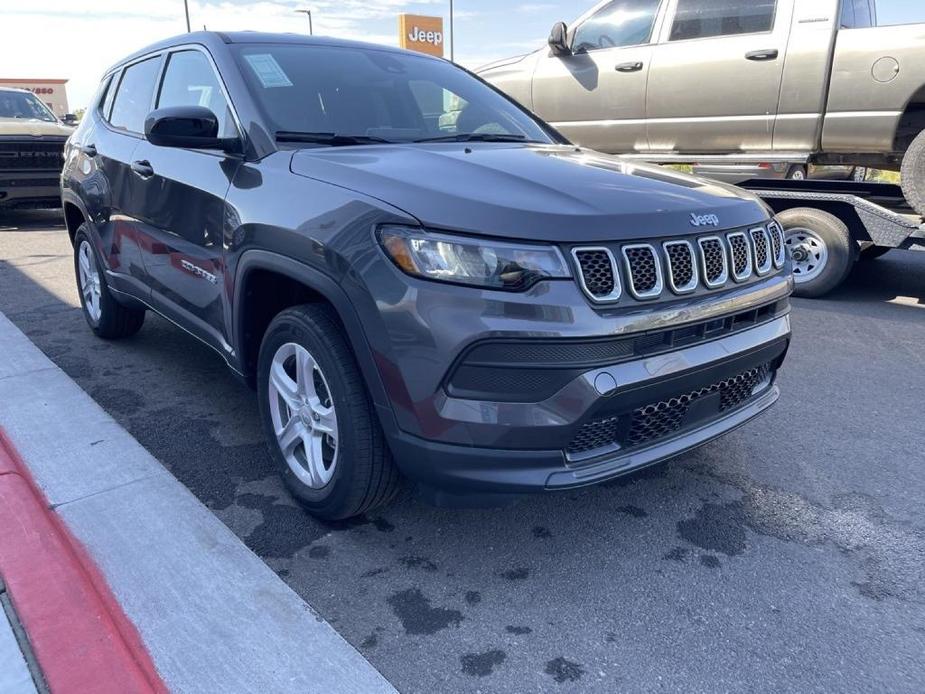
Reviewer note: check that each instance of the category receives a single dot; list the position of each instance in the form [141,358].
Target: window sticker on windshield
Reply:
[268,70]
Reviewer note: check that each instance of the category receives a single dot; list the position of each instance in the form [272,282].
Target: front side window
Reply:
[189,80]
[375,94]
[617,24]
[24,106]
[132,102]
[698,19]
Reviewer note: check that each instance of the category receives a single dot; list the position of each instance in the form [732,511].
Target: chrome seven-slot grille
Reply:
[680,265]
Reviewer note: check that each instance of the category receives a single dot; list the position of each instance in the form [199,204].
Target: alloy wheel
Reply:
[303,415]
[89,276]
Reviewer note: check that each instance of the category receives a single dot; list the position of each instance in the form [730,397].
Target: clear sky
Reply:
[79,39]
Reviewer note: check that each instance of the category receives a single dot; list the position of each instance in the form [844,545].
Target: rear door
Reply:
[716,75]
[597,95]
[182,204]
[108,151]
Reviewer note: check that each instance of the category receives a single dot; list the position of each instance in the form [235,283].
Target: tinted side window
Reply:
[619,23]
[108,91]
[856,14]
[133,98]
[697,19]
[190,81]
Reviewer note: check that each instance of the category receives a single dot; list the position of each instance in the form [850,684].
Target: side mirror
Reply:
[188,127]
[558,39]
[69,119]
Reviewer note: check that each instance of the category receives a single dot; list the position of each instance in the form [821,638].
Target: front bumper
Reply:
[694,376]
[30,190]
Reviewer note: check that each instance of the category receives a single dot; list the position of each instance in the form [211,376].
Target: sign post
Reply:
[422,34]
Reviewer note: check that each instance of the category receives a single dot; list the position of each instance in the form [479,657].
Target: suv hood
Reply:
[33,127]
[532,192]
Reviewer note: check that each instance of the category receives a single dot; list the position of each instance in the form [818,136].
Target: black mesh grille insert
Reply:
[643,269]
[762,252]
[714,260]
[777,243]
[681,264]
[594,435]
[649,423]
[597,271]
[661,419]
[32,156]
[739,247]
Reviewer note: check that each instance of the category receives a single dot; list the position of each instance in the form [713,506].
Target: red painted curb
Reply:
[82,639]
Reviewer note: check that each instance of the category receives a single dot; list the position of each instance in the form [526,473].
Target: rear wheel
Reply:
[320,423]
[797,173]
[820,248]
[106,317]
[913,174]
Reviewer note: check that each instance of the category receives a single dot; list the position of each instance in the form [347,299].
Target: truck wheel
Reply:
[797,172]
[821,250]
[321,426]
[106,317]
[913,174]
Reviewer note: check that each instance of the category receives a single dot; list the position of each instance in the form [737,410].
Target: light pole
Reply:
[311,31]
[186,8]
[451,33]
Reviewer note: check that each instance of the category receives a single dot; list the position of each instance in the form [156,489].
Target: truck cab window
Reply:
[617,24]
[698,19]
[857,14]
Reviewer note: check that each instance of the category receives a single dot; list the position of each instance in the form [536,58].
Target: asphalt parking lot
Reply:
[789,556]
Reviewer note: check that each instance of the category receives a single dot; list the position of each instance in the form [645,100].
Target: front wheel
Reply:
[106,317]
[820,248]
[320,423]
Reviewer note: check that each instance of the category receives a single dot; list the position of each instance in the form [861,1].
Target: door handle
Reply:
[88,150]
[143,169]
[766,54]
[629,67]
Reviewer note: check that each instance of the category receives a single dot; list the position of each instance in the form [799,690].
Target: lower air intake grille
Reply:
[597,272]
[594,435]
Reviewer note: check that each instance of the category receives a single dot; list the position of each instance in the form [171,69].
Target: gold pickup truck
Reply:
[31,152]
[737,81]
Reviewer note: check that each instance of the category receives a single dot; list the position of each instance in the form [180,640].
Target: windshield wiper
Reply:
[478,137]
[332,139]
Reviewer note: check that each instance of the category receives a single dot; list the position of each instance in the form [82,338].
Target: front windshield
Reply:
[24,105]
[376,94]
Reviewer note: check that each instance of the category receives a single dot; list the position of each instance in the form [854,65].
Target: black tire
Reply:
[874,252]
[797,172]
[913,174]
[839,244]
[365,476]
[116,321]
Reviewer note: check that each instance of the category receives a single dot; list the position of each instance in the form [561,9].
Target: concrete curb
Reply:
[212,616]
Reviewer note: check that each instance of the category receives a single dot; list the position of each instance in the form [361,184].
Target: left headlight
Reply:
[471,261]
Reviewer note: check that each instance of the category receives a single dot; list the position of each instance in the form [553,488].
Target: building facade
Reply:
[52,92]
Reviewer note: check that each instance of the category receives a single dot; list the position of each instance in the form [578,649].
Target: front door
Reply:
[597,95]
[716,75]
[183,209]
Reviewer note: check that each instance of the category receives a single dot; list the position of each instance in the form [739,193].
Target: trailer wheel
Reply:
[821,250]
[913,174]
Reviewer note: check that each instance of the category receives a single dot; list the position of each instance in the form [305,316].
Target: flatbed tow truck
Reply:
[830,225]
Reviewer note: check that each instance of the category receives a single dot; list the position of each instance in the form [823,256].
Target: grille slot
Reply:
[741,253]
[713,261]
[761,247]
[658,420]
[644,272]
[682,266]
[777,243]
[599,434]
[598,273]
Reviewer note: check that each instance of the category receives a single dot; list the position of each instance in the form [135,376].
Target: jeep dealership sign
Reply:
[422,34]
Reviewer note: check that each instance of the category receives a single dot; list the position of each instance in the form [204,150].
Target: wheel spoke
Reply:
[290,436]
[326,423]
[314,458]
[305,374]
[285,386]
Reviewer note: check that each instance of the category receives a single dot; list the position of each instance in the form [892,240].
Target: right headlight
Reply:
[471,261]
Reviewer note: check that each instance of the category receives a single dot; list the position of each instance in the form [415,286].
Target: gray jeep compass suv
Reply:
[422,279]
